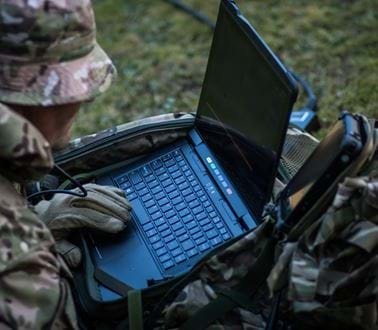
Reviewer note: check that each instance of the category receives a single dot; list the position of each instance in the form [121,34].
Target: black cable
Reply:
[199,16]
[75,182]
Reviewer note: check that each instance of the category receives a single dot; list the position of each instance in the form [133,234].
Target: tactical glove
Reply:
[104,208]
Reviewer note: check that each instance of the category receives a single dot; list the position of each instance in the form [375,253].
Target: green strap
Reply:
[135,310]
[226,302]
[112,283]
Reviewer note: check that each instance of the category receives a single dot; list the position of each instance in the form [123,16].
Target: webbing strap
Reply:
[135,310]
[248,285]
[112,283]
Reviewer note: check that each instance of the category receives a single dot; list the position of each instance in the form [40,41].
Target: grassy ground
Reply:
[161,55]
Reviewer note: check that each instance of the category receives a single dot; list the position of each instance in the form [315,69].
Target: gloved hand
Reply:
[104,208]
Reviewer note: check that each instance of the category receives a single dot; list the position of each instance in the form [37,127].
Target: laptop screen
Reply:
[247,97]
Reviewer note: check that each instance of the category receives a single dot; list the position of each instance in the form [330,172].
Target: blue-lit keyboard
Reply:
[182,222]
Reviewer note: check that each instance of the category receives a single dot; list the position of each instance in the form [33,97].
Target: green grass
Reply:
[161,55]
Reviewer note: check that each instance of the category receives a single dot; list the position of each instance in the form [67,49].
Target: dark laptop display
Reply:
[184,202]
[247,89]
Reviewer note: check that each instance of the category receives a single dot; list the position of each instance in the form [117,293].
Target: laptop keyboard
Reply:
[183,222]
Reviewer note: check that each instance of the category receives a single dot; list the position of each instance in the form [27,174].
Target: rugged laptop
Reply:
[185,202]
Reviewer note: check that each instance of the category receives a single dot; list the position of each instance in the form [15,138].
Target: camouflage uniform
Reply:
[48,56]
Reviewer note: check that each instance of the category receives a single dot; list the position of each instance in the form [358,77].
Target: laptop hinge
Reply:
[195,138]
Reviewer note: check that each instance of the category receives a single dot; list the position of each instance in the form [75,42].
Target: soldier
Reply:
[49,64]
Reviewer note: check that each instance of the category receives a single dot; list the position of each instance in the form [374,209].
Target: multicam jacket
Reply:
[34,290]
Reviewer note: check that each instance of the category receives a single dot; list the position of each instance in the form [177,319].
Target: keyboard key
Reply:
[143,192]
[156,215]
[203,198]
[125,185]
[149,178]
[197,188]
[148,226]
[156,164]
[190,198]
[183,237]
[197,209]
[208,227]
[173,220]
[176,153]
[180,232]
[166,183]
[160,171]
[194,230]
[226,236]
[173,169]
[156,190]
[191,177]
[219,225]
[168,264]
[179,180]
[179,158]
[166,157]
[163,201]
[183,212]
[216,220]
[161,251]
[216,241]
[209,209]
[186,192]
[194,204]
[135,177]
[197,235]
[177,226]
[163,227]
[177,200]
[200,194]
[176,175]
[170,188]
[183,186]
[146,198]
[166,232]
[164,257]
[184,168]
[211,234]
[177,252]
[154,184]
[140,186]
[170,214]
[169,238]
[154,239]
[122,179]
[131,196]
[166,207]
[206,204]
[160,195]
[201,216]
[187,218]
[191,225]
[158,245]
[187,245]
[204,222]
[191,253]
[129,190]
[223,231]
[159,222]
[180,206]
[151,232]
[172,245]
[181,163]
[173,194]
[179,259]
[212,214]
[150,203]
[163,177]
[145,170]
[188,173]
[152,209]
[170,163]
[204,247]
[200,240]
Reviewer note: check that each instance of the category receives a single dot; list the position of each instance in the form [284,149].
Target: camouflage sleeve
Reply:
[33,292]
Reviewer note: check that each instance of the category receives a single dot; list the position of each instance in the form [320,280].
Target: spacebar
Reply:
[139,213]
